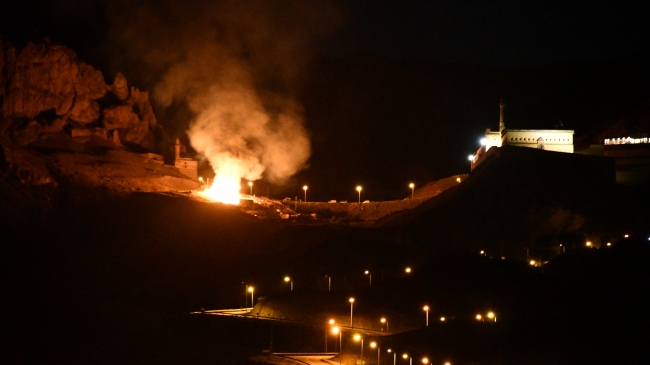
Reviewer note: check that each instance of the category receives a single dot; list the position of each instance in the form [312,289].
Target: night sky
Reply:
[392,92]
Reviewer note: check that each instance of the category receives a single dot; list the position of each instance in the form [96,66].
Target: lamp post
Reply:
[252,290]
[288,280]
[358,338]
[329,282]
[369,275]
[331,323]
[412,186]
[250,185]
[426,310]
[336,330]
[245,296]
[394,356]
[305,189]
[351,307]
[492,316]
[373,345]
[383,321]
[359,190]
[405,356]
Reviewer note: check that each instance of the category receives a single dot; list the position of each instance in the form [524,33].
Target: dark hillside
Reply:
[518,198]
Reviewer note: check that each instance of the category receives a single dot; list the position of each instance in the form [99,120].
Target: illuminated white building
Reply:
[557,140]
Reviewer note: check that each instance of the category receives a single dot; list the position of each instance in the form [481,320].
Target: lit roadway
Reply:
[315,359]
[245,313]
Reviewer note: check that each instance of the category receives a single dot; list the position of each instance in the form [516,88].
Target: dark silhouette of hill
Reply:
[519,198]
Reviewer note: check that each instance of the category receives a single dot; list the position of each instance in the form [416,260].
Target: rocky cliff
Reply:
[64,129]
[46,89]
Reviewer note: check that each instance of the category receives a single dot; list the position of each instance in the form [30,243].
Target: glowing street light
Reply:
[394,356]
[406,356]
[250,185]
[305,189]
[425,360]
[442,319]
[588,244]
[470,157]
[337,330]
[483,141]
[358,338]
[373,344]
[359,190]
[351,300]
[408,270]
[384,321]
[426,310]
[288,280]
[369,275]
[331,323]
[492,316]
[479,317]
[252,291]
[412,186]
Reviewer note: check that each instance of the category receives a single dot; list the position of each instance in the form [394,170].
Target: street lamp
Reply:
[288,280]
[305,189]
[359,190]
[492,316]
[426,310]
[252,290]
[479,317]
[408,270]
[336,330]
[383,321]
[351,307]
[358,338]
[373,344]
[412,186]
[425,360]
[329,282]
[331,323]
[250,185]
[370,275]
[394,356]
[406,356]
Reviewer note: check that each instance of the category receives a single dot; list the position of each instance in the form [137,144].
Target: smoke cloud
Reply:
[238,67]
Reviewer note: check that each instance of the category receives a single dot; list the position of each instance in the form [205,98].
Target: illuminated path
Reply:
[245,313]
[305,358]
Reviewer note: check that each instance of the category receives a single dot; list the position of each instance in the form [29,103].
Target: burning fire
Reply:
[225,189]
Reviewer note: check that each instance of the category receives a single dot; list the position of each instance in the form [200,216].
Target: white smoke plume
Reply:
[237,65]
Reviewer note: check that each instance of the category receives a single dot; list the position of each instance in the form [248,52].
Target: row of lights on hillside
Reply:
[287,279]
[337,330]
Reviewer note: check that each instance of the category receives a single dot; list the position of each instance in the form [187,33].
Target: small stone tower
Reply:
[177,150]
[502,123]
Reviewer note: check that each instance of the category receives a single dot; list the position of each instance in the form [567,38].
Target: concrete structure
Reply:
[186,165]
[558,140]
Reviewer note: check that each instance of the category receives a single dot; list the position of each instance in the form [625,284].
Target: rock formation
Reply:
[45,87]
[61,125]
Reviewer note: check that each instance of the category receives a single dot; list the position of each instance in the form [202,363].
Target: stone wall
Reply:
[371,211]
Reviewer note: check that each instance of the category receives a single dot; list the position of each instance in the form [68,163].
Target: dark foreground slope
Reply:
[522,199]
